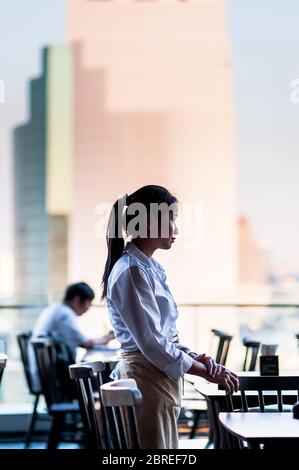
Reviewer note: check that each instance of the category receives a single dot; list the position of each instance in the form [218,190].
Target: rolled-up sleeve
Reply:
[134,298]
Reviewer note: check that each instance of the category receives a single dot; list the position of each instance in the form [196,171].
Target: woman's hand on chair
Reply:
[228,379]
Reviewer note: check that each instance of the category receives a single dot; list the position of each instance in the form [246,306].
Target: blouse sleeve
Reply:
[133,296]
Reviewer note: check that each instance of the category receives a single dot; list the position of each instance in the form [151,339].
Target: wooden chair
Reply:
[56,390]
[89,376]
[200,407]
[23,342]
[268,397]
[251,354]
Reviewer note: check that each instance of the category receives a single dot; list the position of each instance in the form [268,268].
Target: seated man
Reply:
[60,320]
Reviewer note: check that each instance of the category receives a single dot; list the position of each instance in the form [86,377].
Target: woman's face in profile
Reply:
[166,229]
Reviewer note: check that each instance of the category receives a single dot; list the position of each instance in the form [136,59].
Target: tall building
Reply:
[153,105]
[42,182]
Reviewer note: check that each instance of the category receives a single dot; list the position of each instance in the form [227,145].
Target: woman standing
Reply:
[143,314]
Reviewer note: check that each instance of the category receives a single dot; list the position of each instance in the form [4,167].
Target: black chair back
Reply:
[24,342]
[261,384]
[251,354]
[223,346]
[53,360]
[89,376]
[120,399]
[3,360]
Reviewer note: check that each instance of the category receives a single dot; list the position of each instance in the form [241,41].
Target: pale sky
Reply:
[265,55]
[265,59]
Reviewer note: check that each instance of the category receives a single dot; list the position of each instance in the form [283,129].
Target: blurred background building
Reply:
[42,173]
[254,266]
[149,108]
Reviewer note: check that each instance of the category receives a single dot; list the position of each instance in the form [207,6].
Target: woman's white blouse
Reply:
[143,312]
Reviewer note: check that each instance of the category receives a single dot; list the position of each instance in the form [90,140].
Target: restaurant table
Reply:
[110,356]
[102,354]
[216,400]
[270,429]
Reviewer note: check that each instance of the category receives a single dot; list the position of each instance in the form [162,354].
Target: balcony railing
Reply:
[266,322]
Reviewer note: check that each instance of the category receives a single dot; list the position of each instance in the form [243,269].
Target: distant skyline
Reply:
[264,38]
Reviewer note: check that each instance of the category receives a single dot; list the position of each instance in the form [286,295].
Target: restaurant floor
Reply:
[68,445]
[36,445]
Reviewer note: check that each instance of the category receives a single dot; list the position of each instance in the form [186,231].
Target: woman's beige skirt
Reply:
[158,414]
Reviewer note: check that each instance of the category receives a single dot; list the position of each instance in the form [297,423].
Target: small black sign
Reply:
[269,365]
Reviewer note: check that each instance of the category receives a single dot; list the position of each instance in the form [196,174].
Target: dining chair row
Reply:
[64,409]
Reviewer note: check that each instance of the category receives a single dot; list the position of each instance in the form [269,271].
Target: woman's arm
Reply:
[226,378]
[212,367]
[134,298]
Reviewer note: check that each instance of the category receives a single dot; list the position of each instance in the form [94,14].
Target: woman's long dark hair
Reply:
[119,221]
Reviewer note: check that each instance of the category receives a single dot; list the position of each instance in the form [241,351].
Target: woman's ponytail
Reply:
[114,239]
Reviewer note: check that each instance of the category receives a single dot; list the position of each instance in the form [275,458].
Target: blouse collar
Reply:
[134,251]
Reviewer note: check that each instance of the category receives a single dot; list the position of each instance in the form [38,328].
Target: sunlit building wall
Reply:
[153,105]
[254,266]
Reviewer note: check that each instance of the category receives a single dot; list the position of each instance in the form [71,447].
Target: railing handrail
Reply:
[193,305]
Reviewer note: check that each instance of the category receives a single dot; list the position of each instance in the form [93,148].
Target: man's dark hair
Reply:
[81,289]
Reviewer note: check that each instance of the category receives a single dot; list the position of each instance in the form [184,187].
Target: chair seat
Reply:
[64,407]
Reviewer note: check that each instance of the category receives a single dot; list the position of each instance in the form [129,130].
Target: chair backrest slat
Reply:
[134,444]
[279,401]
[112,428]
[120,414]
[261,401]
[244,401]
[229,403]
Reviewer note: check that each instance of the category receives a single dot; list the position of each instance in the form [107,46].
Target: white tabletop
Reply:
[261,425]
